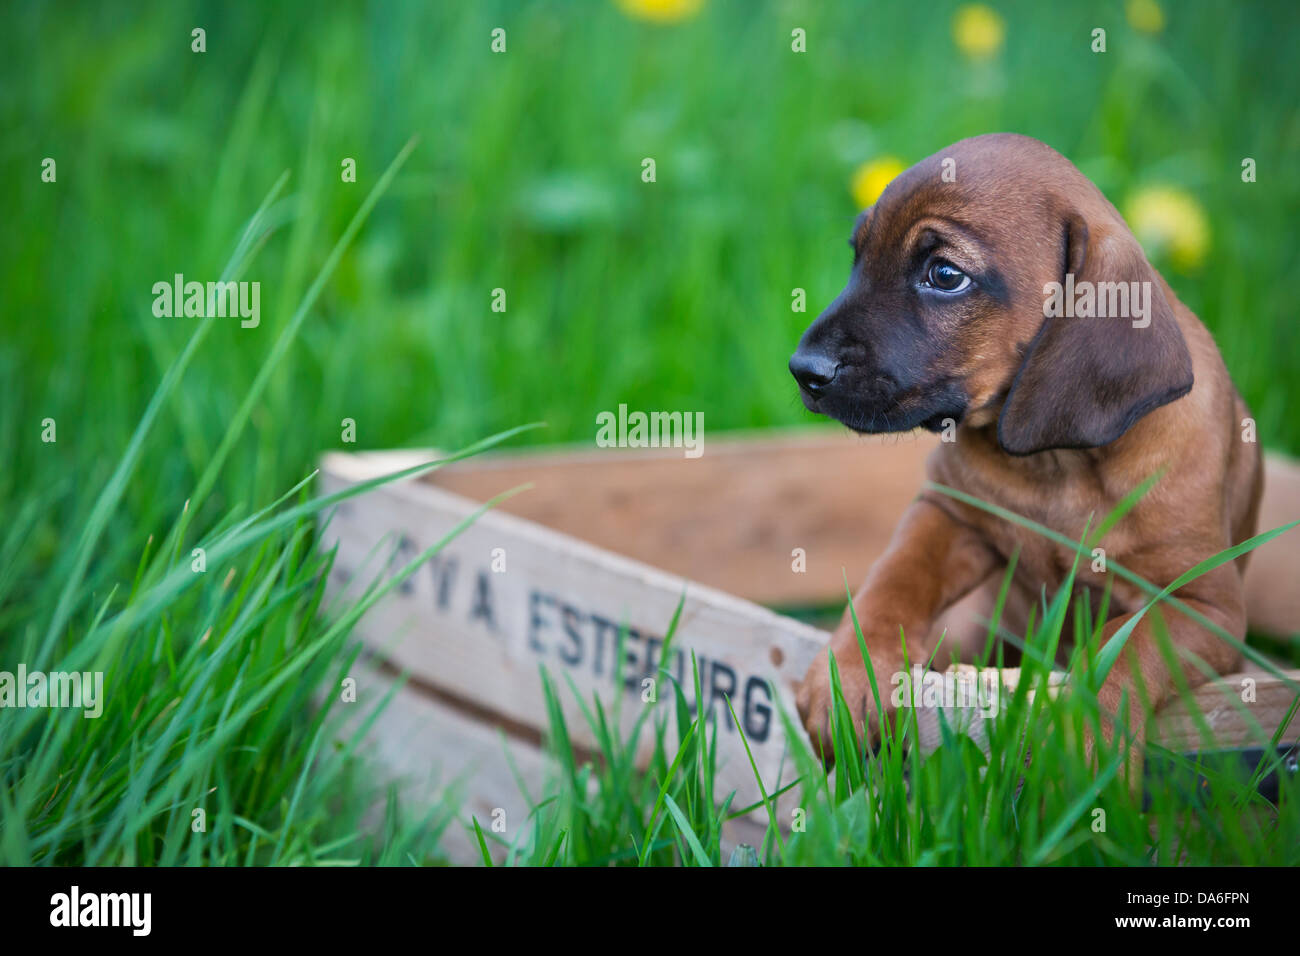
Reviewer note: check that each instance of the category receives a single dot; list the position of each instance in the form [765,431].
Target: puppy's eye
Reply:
[946,277]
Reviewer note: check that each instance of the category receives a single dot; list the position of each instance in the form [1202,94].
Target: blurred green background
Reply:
[669,295]
[527,177]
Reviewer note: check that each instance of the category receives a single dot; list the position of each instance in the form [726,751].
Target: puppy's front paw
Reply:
[814,700]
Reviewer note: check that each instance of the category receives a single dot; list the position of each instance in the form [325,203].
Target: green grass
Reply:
[175,434]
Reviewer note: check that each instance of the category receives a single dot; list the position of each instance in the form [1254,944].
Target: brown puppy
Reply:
[985,299]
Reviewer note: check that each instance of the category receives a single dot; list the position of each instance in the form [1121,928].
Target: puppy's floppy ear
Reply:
[1085,380]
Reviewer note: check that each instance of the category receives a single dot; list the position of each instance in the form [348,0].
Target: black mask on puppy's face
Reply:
[944,319]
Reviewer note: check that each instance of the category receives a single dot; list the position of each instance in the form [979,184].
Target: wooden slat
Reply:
[731,518]
[438,754]
[478,636]
[1241,710]
[481,635]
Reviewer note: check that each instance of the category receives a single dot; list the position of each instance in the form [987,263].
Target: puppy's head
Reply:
[948,314]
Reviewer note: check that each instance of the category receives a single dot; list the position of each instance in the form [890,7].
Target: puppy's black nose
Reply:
[813,370]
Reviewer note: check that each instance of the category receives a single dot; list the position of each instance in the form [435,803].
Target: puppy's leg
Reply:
[932,561]
[961,633]
[1219,596]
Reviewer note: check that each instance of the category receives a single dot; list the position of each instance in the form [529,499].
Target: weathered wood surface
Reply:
[481,635]
[833,494]
[1239,710]
[437,754]
[478,636]
[729,519]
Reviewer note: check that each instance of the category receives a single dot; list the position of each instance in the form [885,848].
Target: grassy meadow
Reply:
[522,171]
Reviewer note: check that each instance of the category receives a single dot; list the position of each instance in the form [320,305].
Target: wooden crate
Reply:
[607,540]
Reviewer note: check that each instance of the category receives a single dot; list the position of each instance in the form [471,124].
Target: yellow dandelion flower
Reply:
[978,31]
[661,11]
[870,179]
[1168,220]
[1145,15]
